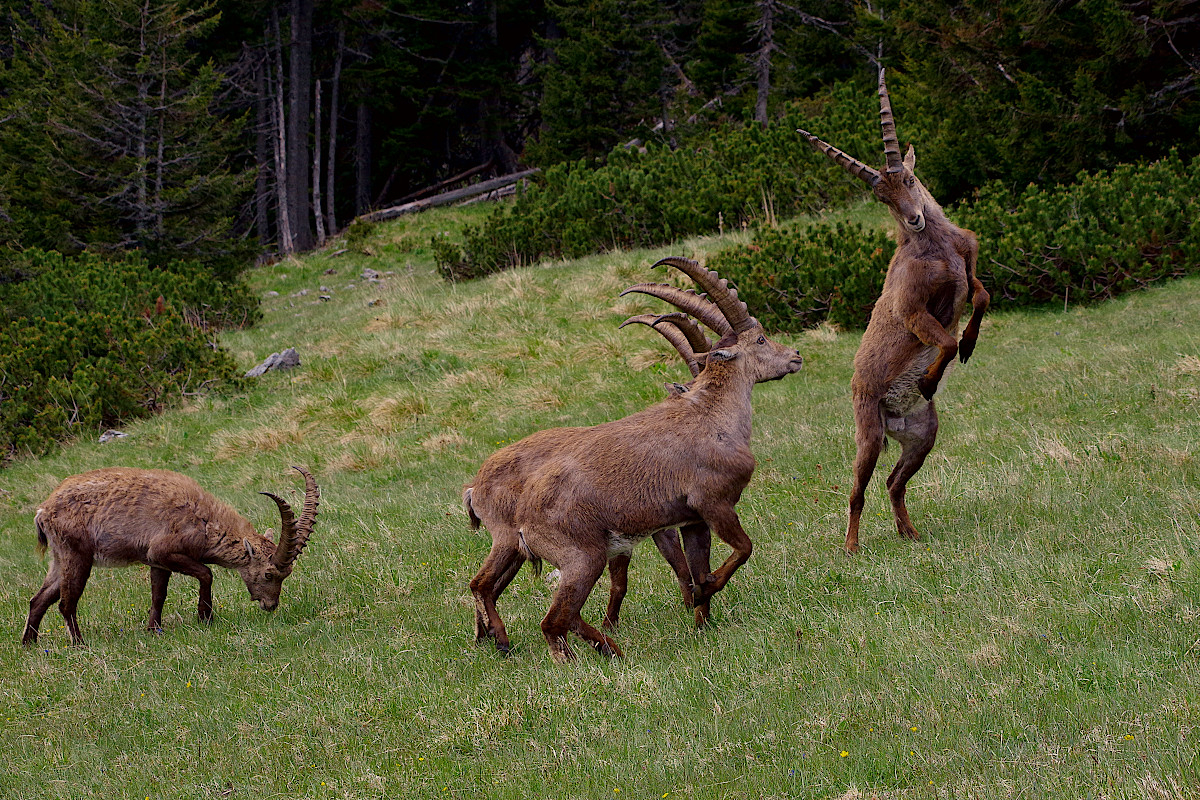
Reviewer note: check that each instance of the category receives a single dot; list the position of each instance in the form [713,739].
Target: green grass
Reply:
[1041,640]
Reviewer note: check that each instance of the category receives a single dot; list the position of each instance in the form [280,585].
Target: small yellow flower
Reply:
[421,758]
[1129,737]
[844,754]
[914,727]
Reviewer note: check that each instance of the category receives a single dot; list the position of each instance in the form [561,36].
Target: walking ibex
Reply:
[910,339]
[117,516]
[577,497]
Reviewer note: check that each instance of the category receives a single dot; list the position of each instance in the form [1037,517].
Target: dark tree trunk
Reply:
[300,52]
[362,160]
[331,158]
[491,119]
[316,165]
[283,204]
[762,59]
[263,159]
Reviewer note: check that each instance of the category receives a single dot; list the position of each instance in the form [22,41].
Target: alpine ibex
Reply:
[910,339]
[119,516]
[577,497]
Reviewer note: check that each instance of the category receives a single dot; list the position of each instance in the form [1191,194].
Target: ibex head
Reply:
[742,336]
[897,186]
[269,563]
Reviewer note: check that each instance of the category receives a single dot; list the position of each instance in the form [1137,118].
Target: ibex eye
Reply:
[910,181]
[762,340]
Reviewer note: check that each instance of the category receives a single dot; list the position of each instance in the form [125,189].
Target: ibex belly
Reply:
[623,543]
[902,393]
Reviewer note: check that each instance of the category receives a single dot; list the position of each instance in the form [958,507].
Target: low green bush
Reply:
[645,198]
[1108,233]
[87,343]
[797,280]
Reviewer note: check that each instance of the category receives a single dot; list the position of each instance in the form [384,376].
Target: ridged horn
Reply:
[696,338]
[687,300]
[852,165]
[891,144]
[293,536]
[673,335]
[717,289]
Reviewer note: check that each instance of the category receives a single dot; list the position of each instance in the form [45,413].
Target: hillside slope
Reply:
[1040,641]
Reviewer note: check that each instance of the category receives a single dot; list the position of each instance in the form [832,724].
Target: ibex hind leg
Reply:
[75,573]
[579,575]
[916,433]
[869,441]
[45,597]
[502,564]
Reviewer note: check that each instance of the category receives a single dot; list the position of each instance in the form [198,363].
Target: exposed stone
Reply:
[285,360]
[111,434]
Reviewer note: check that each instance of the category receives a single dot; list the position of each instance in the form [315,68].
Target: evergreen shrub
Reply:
[86,343]
[1108,233]
[794,280]
[646,198]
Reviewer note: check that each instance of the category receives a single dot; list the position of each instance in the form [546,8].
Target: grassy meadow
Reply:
[1041,640]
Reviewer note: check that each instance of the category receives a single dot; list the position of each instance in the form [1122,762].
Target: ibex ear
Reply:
[722,355]
[249,547]
[910,158]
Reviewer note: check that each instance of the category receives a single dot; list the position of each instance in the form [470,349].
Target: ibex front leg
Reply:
[697,546]
[723,521]
[930,332]
[980,300]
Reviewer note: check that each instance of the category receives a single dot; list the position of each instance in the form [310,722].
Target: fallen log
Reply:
[483,187]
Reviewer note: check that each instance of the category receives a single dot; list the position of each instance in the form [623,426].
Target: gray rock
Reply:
[110,434]
[285,360]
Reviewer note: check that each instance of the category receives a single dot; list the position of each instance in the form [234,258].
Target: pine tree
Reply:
[113,140]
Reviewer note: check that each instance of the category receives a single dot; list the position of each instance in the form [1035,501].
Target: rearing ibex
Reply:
[577,497]
[118,516]
[909,341]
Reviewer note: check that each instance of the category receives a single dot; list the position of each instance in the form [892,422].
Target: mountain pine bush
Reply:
[1108,233]
[86,343]
[637,199]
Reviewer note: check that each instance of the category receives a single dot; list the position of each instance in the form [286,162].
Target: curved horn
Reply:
[891,144]
[852,165]
[293,536]
[673,335]
[718,291]
[287,526]
[696,338]
[687,300]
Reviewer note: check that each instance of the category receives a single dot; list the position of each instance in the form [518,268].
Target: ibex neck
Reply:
[725,394]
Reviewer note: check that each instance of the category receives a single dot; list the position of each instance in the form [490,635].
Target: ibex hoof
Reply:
[610,650]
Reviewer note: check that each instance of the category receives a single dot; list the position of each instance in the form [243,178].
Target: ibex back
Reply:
[910,339]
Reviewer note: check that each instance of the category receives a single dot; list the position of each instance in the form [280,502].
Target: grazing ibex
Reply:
[577,497]
[118,516]
[909,341]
